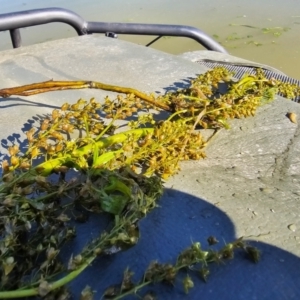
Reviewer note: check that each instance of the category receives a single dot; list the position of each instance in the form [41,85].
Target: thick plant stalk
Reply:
[55,285]
[48,166]
[48,86]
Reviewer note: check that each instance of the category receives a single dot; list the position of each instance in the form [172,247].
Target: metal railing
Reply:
[16,20]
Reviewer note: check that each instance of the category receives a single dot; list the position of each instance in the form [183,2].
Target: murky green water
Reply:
[265,31]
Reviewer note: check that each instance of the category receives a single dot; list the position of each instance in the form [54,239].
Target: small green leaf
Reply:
[113,204]
[118,185]
[187,284]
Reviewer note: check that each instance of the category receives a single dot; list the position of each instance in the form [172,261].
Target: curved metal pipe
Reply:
[42,16]
[157,29]
[16,20]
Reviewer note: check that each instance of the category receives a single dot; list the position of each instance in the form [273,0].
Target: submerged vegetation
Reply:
[119,174]
[251,35]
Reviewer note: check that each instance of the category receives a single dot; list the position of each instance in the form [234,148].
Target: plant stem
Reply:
[55,285]
[106,129]
[47,86]
[145,283]
[176,113]
[21,293]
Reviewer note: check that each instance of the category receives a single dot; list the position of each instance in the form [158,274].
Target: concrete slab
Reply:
[249,184]
[252,173]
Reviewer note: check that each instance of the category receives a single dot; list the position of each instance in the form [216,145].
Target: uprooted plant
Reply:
[120,172]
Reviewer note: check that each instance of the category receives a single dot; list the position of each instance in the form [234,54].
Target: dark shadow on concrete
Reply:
[180,220]
[17,139]
[178,85]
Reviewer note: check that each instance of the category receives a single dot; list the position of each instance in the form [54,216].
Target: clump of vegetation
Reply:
[194,259]
[119,173]
[252,32]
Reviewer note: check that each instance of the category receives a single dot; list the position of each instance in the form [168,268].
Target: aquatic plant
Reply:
[119,173]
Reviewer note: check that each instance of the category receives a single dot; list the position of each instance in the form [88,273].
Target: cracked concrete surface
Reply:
[251,175]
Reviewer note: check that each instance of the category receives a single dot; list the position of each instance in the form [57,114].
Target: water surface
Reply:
[263,31]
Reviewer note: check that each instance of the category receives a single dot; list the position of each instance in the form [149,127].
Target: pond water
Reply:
[264,31]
